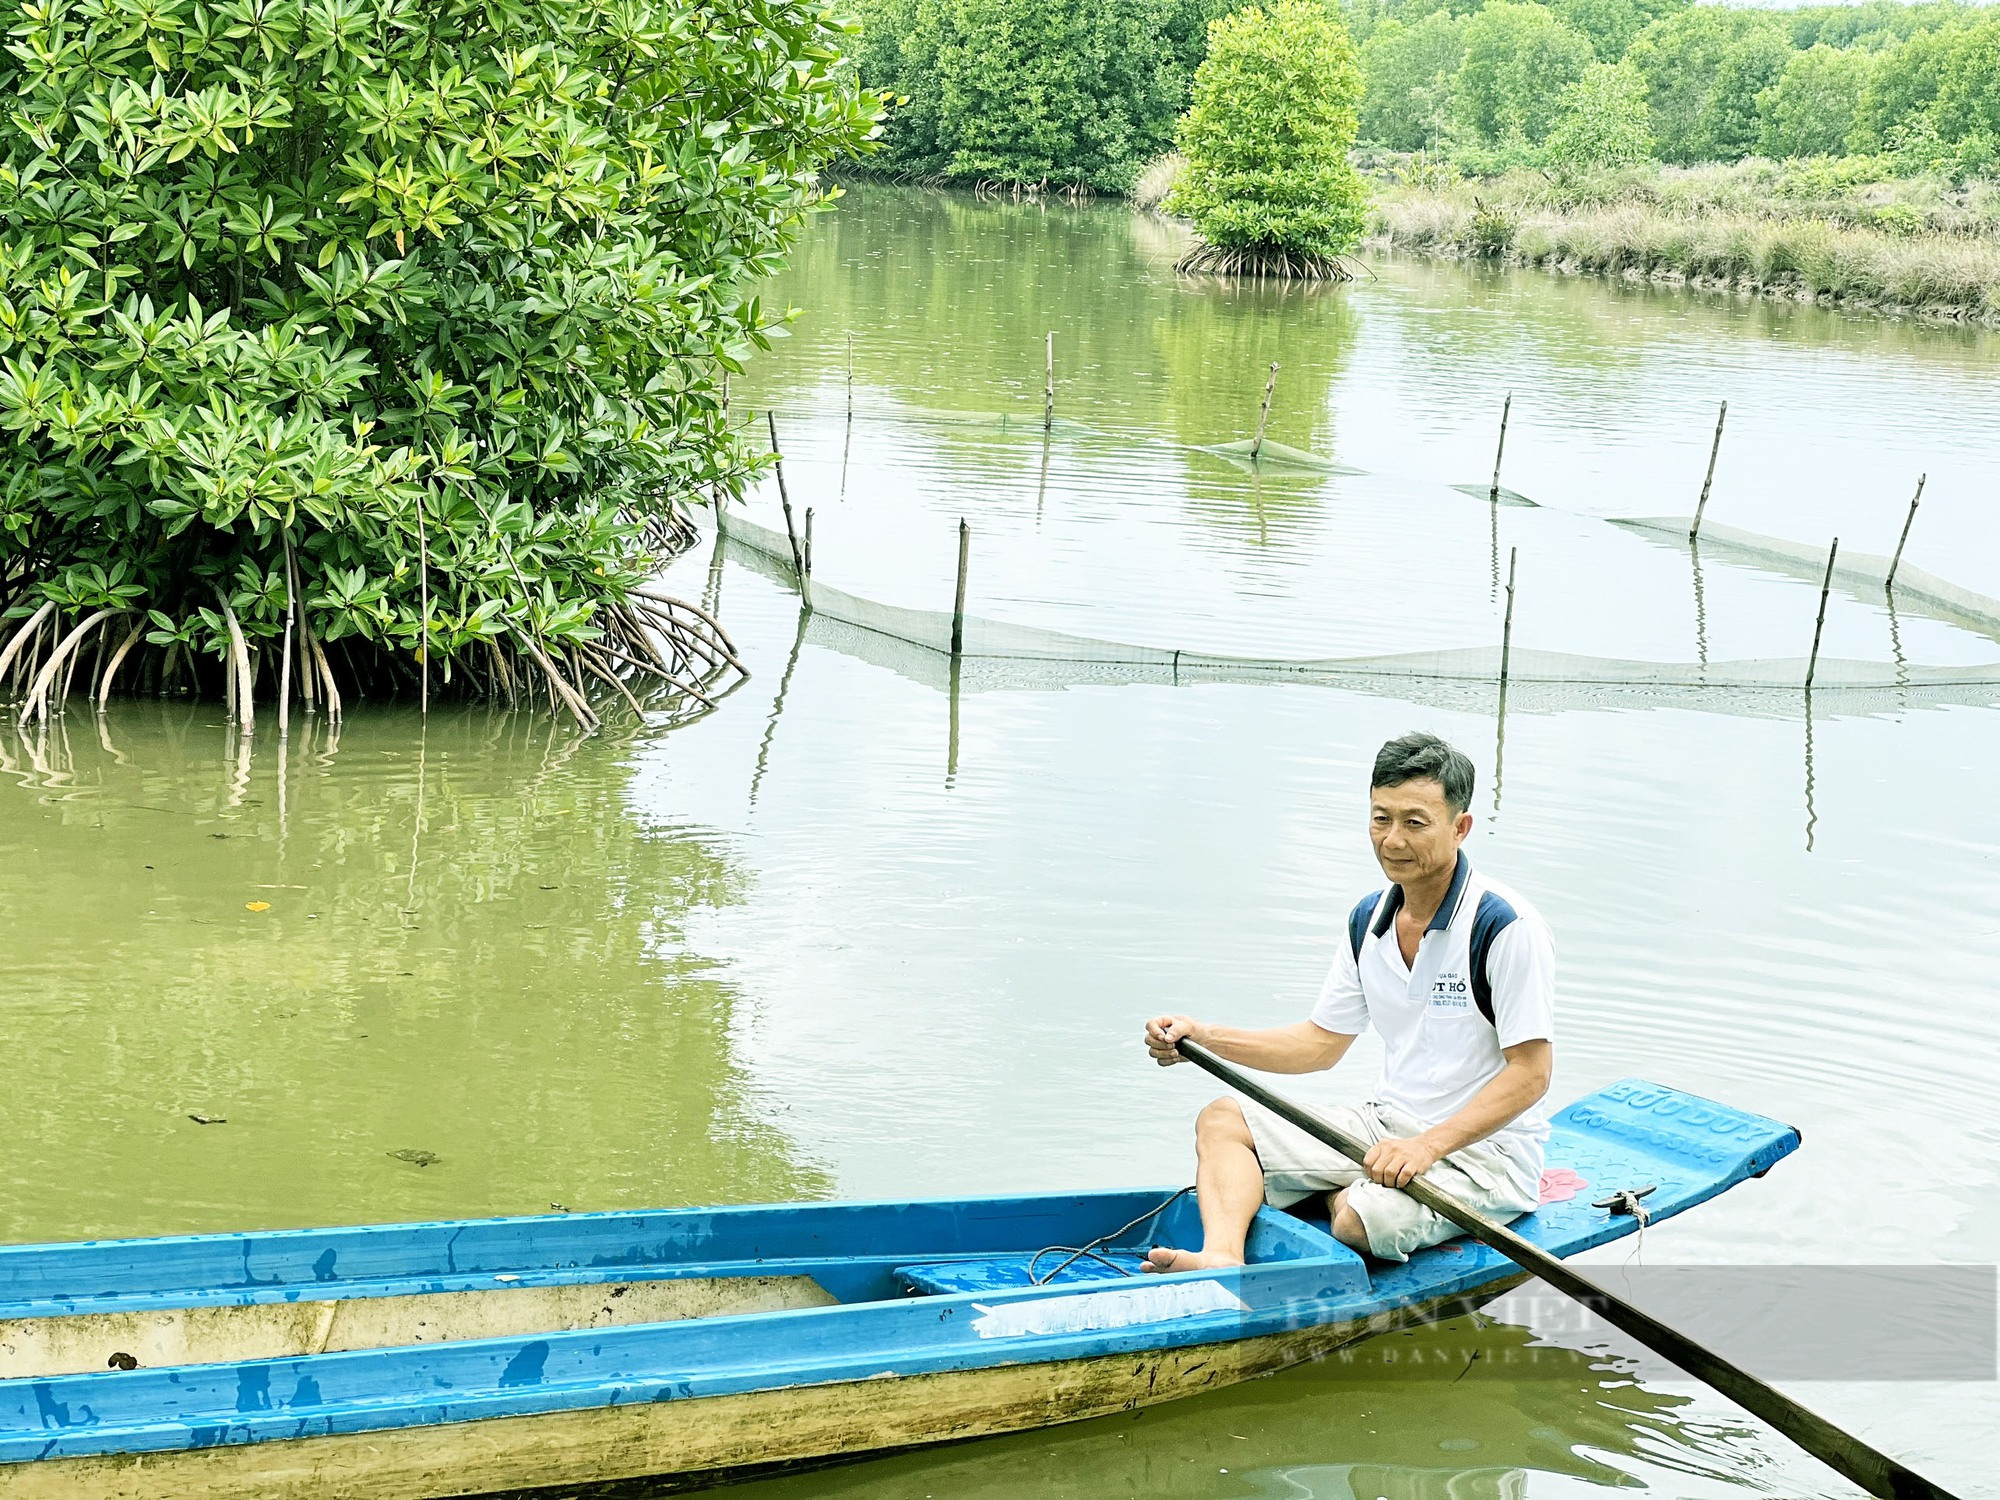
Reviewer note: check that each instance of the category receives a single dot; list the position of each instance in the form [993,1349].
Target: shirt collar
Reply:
[1386,910]
[1461,875]
[1449,907]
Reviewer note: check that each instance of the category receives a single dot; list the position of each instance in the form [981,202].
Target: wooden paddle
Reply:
[1874,1471]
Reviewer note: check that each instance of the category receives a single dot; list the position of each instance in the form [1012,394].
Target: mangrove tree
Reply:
[378,342]
[1268,185]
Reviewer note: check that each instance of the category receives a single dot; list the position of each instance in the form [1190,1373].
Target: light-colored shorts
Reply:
[1485,1175]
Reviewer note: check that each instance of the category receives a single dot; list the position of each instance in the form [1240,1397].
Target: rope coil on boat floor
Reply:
[1626,1201]
[1078,1253]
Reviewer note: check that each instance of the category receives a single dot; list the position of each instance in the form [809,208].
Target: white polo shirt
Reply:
[1484,978]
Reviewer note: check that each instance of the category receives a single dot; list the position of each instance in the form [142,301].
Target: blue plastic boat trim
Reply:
[292,1265]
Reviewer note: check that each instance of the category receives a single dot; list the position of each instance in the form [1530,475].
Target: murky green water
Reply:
[474,947]
[848,936]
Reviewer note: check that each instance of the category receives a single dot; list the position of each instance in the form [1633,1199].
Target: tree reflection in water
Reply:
[454,940]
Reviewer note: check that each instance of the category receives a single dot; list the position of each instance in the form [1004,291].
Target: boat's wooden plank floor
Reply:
[276,1330]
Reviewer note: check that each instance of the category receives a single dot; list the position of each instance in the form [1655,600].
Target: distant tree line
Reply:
[1708,83]
[1065,91]
[1062,91]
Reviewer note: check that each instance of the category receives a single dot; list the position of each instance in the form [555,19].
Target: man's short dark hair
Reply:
[1425,757]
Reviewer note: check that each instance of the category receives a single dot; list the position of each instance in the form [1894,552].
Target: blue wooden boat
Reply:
[557,1353]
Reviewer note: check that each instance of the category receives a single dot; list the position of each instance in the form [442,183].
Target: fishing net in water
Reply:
[1865,575]
[1250,454]
[916,643]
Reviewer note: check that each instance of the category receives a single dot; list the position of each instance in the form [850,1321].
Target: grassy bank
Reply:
[1826,233]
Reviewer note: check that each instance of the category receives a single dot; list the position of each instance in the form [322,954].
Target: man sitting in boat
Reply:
[1457,973]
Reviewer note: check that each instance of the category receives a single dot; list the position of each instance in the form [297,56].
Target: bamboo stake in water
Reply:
[1264,416]
[1508,406]
[850,376]
[1897,561]
[951,745]
[1825,588]
[1049,388]
[1709,479]
[958,602]
[785,499]
[1812,812]
[806,560]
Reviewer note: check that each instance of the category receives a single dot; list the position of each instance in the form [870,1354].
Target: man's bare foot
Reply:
[1161,1260]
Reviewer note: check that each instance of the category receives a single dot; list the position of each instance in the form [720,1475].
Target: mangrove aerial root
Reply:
[994,190]
[648,650]
[651,651]
[1262,262]
[670,532]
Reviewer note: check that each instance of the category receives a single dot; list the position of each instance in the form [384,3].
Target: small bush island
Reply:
[1266,139]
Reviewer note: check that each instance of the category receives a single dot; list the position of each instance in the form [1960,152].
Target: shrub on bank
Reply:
[1799,255]
[1156,180]
[1809,111]
[1704,69]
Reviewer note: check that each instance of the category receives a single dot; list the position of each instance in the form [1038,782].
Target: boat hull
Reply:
[568,1353]
[688,1444]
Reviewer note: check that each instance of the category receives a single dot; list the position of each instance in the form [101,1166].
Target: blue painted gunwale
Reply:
[1627,1135]
[840,1241]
